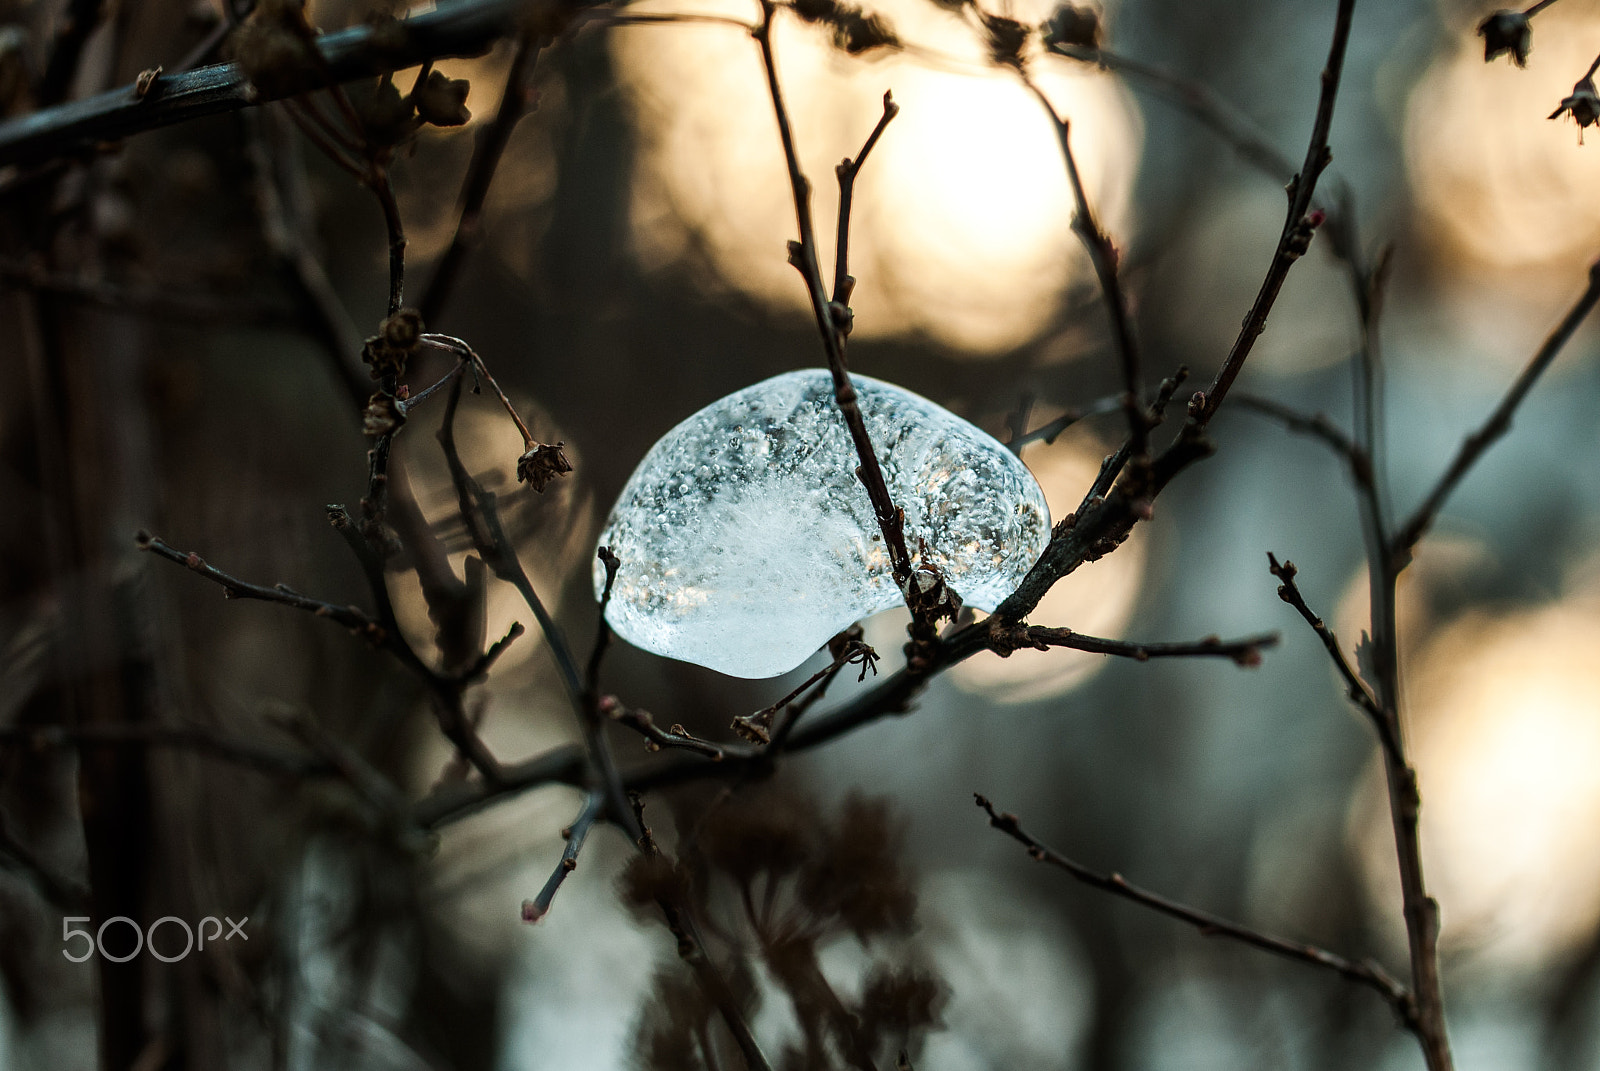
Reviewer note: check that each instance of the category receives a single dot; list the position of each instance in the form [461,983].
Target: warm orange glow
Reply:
[1505,729]
[1098,599]
[961,216]
[1499,184]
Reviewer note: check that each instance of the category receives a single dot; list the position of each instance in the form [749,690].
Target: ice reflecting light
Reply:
[746,540]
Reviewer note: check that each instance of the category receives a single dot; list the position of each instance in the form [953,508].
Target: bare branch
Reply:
[1365,972]
[1499,422]
[1357,691]
[1245,652]
[594,804]
[464,28]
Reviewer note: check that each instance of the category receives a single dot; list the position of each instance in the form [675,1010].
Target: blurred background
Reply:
[159,374]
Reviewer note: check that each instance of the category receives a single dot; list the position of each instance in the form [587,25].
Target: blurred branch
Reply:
[1367,972]
[463,28]
[1314,425]
[197,738]
[515,101]
[1498,423]
[157,301]
[1198,101]
[1048,433]
[78,21]
[594,804]
[1103,256]
[62,893]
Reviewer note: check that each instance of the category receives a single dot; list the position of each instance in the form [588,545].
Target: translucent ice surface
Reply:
[747,542]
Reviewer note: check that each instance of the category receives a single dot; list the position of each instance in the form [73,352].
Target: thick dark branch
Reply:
[61,893]
[464,28]
[1499,421]
[1355,688]
[1098,531]
[1365,972]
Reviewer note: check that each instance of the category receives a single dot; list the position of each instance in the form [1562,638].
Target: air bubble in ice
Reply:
[746,540]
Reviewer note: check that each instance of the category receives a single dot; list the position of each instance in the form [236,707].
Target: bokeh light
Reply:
[1505,733]
[1498,186]
[961,222]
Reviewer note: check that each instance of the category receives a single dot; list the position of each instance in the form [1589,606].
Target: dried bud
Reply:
[442,101]
[403,330]
[854,31]
[381,416]
[542,464]
[1006,39]
[1506,32]
[1583,105]
[1073,26]
[274,49]
[388,352]
[386,116]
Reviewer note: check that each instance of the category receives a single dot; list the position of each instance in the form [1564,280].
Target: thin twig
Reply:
[657,738]
[594,805]
[353,618]
[1315,425]
[1366,972]
[1355,688]
[830,323]
[843,283]
[757,727]
[1499,421]
[1245,652]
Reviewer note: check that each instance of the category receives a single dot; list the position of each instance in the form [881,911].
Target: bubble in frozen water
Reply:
[747,541]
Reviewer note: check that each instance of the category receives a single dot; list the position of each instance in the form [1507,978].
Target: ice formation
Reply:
[746,540]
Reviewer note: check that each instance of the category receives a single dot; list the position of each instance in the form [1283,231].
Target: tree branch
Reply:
[1499,421]
[1367,972]
[464,28]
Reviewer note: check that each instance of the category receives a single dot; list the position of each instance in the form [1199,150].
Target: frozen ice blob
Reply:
[746,540]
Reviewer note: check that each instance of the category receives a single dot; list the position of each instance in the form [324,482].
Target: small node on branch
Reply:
[1506,33]
[389,351]
[381,417]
